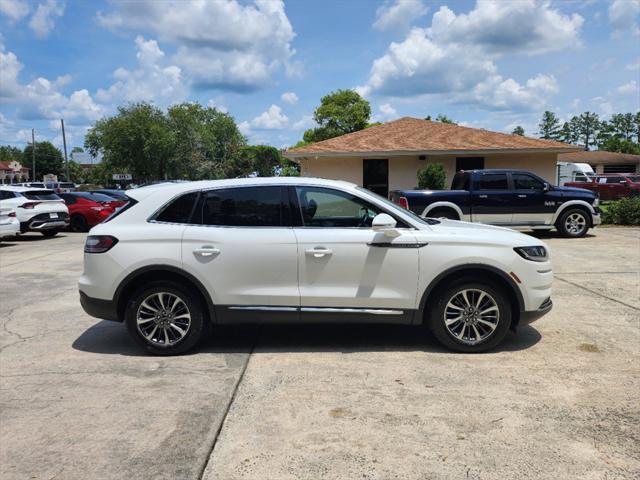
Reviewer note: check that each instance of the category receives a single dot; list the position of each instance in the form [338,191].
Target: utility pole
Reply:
[66,160]
[33,154]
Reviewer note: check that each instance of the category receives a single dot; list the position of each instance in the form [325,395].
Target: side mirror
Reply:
[546,187]
[383,223]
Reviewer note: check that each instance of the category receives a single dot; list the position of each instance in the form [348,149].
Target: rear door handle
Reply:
[522,196]
[318,252]
[206,251]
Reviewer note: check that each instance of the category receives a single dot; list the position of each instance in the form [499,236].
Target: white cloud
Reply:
[631,88]
[386,112]
[623,17]
[304,123]
[217,104]
[272,119]
[227,44]
[289,97]
[501,94]
[43,20]
[14,9]
[399,15]
[633,66]
[154,81]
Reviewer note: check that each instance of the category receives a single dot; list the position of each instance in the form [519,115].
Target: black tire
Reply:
[573,229]
[49,233]
[443,213]
[437,312]
[194,332]
[79,223]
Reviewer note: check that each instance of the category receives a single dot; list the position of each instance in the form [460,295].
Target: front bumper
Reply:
[596,218]
[96,307]
[531,316]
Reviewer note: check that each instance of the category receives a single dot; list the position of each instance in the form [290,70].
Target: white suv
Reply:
[180,256]
[37,209]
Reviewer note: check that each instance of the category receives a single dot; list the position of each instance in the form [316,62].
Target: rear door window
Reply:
[493,181]
[244,207]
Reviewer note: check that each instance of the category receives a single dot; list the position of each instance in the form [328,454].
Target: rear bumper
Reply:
[44,221]
[530,316]
[96,307]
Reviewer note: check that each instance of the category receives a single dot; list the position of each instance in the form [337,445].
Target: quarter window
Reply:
[243,207]
[522,181]
[323,207]
[179,211]
[493,181]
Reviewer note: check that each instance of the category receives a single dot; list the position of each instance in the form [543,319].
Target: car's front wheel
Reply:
[573,223]
[165,318]
[470,316]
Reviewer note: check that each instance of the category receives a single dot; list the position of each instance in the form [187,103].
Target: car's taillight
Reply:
[403,202]
[99,243]
[29,205]
[13,214]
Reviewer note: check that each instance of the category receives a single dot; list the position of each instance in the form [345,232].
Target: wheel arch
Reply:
[581,204]
[449,205]
[138,277]
[475,270]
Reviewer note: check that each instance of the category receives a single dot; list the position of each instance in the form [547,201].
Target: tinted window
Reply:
[68,199]
[5,195]
[615,179]
[523,181]
[460,181]
[323,207]
[179,211]
[493,181]
[113,193]
[96,197]
[41,195]
[243,207]
[634,178]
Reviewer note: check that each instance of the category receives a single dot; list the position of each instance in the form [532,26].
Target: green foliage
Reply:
[340,112]
[518,131]
[48,159]
[257,160]
[9,154]
[100,174]
[75,172]
[442,118]
[432,177]
[373,124]
[614,144]
[77,150]
[625,211]
[549,126]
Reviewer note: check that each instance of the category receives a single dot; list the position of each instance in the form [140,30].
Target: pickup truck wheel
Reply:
[164,318]
[573,223]
[443,213]
[470,316]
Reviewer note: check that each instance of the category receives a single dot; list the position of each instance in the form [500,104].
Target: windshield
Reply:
[393,206]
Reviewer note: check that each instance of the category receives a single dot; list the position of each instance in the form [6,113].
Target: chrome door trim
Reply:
[264,308]
[372,311]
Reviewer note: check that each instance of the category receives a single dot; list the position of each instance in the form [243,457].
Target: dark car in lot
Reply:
[612,186]
[510,198]
[88,209]
[114,193]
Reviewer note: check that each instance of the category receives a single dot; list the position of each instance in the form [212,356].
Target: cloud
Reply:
[14,9]
[227,44]
[386,112]
[633,66]
[507,94]
[630,88]
[304,123]
[155,80]
[272,119]
[399,15]
[623,17]
[289,97]
[43,20]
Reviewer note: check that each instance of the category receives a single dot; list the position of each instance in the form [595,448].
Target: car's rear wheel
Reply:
[79,223]
[443,213]
[50,233]
[470,316]
[573,223]
[165,318]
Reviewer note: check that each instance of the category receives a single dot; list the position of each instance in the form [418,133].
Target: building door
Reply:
[375,176]
[469,163]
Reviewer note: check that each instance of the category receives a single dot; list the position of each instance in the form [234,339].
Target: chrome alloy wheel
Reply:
[163,319]
[575,223]
[471,316]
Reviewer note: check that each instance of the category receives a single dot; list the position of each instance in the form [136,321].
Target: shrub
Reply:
[431,177]
[623,212]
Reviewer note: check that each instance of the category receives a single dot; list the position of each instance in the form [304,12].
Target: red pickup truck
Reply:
[612,186]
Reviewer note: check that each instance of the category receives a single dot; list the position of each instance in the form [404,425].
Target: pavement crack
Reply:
[595,292]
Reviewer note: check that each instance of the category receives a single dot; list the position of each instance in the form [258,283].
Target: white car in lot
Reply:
[179,256]
[37,210]
[9,224]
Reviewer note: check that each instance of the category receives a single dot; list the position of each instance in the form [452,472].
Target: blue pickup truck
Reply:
[511,198]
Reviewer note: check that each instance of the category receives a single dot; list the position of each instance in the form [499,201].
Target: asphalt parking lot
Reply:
[559,400]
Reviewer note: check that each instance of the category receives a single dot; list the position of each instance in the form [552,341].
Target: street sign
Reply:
[121,176]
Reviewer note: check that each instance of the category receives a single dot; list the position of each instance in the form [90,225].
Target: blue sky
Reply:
[487,64]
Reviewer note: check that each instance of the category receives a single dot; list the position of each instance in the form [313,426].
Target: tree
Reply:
[137,140]
[567,133]
[549,126]
[614,144]
[340,112]
[75,172]
[518,131]
[255,160]
[10,154]
[48,159]
[442,118]
[587,126]
[432,177]
[77,150]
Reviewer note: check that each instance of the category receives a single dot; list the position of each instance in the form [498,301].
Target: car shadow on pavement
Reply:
[112,338]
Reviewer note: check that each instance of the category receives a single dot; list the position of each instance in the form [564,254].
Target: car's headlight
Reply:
[596,202]
[535,254]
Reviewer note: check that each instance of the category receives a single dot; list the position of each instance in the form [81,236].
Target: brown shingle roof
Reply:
[413,135]
[599,156]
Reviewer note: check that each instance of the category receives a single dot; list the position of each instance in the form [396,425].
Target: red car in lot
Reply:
[612,186]
[88,209]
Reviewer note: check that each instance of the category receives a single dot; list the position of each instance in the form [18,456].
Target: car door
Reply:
[492,199]
[531,205]
[617,187]
[345,267]
[244,252]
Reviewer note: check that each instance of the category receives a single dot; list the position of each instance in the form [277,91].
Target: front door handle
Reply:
[206,251]
[522,196]
[318,252]
[482,196]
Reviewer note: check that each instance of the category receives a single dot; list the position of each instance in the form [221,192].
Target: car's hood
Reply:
[573,190]
[453,231]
